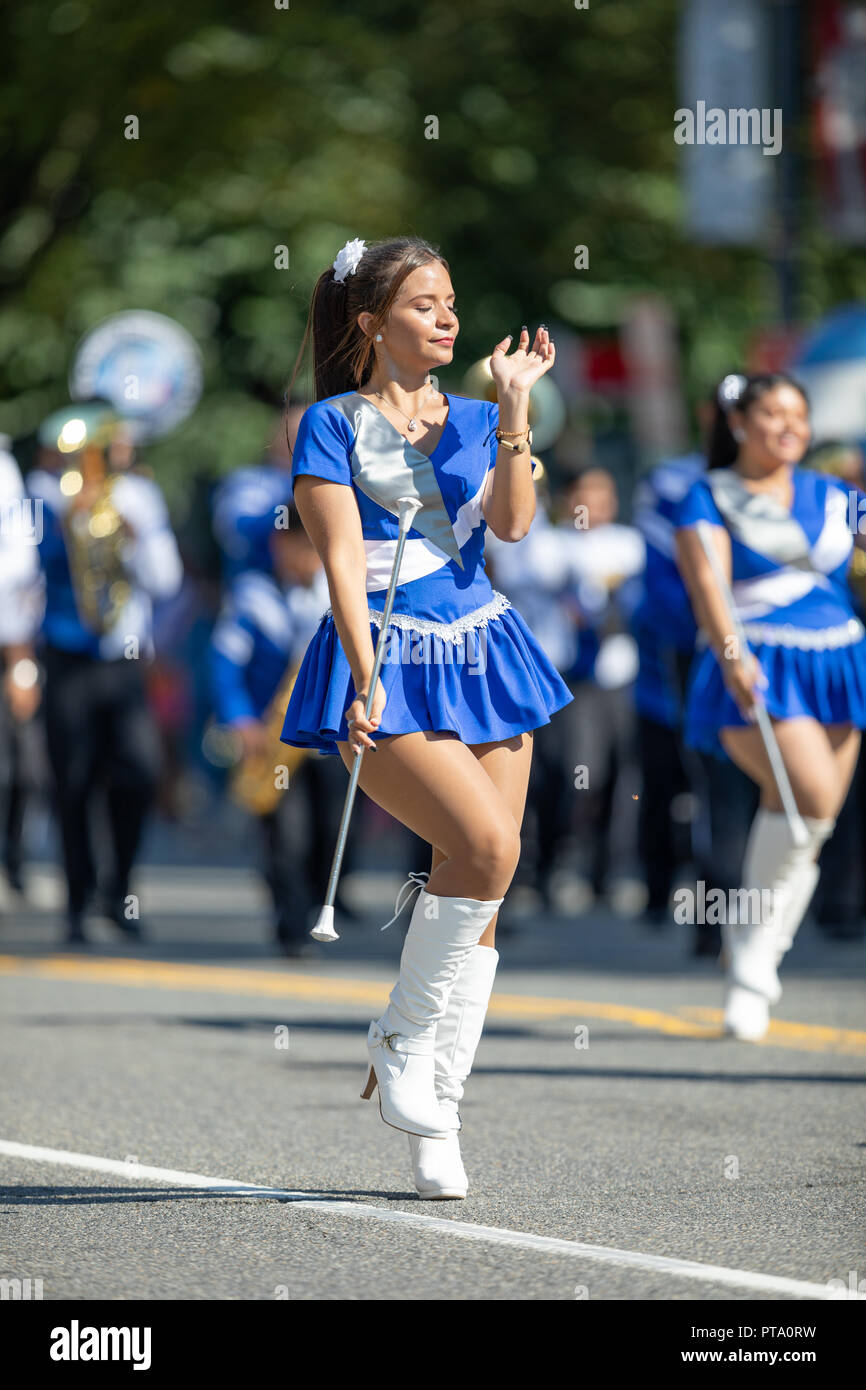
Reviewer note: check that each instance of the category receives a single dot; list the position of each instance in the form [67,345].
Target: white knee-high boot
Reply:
[773,864]
[438,1166]
[800,888]
[400,1044]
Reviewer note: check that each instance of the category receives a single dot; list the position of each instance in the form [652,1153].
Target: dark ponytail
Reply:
[738,393]
[343,356]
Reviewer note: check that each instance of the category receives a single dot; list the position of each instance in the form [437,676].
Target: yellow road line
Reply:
[327,989]
[785,1034]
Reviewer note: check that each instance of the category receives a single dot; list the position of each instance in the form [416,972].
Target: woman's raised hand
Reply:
[521,370]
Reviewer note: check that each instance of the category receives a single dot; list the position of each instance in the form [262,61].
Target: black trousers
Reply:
[11,799]
[727,800]
[664,843]
[840,893]
[23,774]
[102,743]
[597,732]
[298,841]
[549,801]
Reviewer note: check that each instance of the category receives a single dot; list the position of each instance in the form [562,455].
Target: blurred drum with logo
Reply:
[146,365]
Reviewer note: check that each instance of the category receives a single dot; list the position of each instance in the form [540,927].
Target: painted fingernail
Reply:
[524,329]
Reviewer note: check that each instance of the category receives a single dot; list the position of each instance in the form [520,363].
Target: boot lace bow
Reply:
[414,881]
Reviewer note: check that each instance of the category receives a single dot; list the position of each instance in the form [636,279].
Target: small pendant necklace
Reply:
[413,423]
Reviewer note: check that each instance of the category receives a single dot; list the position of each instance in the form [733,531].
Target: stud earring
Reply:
[378,337]
[739,435]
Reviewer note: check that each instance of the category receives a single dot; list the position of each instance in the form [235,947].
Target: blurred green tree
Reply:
[302,126]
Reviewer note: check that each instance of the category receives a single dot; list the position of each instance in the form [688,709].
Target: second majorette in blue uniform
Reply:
[789,584]
[458,656]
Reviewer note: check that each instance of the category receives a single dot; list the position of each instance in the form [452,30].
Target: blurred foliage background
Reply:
[305,126]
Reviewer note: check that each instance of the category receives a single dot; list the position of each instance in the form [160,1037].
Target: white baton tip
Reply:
[324,928]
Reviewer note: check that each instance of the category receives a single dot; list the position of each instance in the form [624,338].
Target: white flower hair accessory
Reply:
[731,390]
[348,259]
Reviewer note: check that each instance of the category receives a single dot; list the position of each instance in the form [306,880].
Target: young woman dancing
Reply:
[464,682]
[784,541]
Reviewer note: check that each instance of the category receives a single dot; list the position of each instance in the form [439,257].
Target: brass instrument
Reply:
[253,780]
[95,535]
[857,574]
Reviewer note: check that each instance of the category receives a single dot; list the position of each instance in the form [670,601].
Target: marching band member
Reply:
[782,535]
[605,561]
[107,552]
[449,741]
[566,576]
[666,632]
[534,574]
[246,496]
[20,605]
[263,629]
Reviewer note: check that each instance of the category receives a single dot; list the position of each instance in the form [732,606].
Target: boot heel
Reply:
[370,1086]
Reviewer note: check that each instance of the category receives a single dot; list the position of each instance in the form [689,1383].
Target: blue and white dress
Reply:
[789,585]
[458,657]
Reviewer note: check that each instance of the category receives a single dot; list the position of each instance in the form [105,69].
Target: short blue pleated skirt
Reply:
[497,683]
[826,685]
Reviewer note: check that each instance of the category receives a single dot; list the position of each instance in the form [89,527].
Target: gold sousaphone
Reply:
[95,535]
[256,781]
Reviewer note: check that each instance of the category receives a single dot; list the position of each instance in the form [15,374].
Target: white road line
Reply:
[492,1235]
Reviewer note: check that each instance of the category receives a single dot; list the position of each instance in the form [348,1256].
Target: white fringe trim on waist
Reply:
[449,632]
[807,639]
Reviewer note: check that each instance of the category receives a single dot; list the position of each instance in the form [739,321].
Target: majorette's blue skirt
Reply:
[495,683]
[828,685]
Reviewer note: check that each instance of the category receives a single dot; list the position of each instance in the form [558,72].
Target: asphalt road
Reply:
[203,1056]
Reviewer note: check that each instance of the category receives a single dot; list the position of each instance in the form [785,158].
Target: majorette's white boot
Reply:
[400,1044]
[755,948]
[802,885]
[438,1166]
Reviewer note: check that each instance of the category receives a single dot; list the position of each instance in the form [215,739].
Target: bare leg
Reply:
[845,742]
[439,788]
[507,765]
[820,761]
